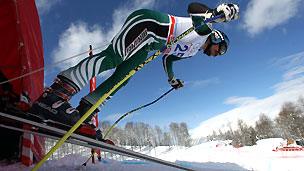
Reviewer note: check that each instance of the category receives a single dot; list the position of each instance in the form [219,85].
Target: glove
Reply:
[176,83]
[231,11]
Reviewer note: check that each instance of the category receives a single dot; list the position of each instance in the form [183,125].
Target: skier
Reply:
[143,31]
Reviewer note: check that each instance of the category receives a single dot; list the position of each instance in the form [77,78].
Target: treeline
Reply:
[288,124]
[142,134]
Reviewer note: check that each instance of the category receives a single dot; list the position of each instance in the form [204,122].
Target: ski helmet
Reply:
[219,38]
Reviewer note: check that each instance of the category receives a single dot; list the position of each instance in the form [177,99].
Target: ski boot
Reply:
[53,103]
[83,107]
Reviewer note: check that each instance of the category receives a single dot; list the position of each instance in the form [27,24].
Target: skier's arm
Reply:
[168,65]
[198,8]
[199,12]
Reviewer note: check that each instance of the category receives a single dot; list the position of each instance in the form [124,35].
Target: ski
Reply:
[44,134]
[37,118]
[52,123]
[43,125]
[56,133]
[57,137]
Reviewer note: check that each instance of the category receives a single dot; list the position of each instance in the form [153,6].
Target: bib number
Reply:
[181,50]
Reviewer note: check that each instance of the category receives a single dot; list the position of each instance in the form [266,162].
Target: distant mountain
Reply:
[249,111]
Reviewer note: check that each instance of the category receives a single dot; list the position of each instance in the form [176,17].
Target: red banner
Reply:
[21,50]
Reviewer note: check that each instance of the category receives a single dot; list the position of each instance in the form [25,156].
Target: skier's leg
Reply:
[142,28]
[53,103]
[90,67]
[121,71]
[144,31]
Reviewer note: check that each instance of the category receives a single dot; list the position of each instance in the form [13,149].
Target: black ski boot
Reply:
[53,103]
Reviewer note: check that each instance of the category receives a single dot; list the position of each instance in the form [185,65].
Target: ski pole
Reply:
[92,153]
[104,97]
[134,110]
[124,115]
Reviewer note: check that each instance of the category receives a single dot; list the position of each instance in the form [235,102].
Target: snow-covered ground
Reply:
[213,156]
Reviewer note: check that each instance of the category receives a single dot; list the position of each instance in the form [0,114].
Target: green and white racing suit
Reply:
[143,31]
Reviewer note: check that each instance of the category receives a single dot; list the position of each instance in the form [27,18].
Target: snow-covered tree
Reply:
[265,127]
[185,139]
[289,121]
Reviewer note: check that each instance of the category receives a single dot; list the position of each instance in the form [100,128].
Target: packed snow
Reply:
[211,156]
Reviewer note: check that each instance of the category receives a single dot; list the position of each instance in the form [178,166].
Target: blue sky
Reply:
[265,58]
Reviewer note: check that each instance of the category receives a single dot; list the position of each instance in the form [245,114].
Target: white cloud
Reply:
[114,117]
[203,83]
[249,108]
[292,61]
[293,72]
[293,78]
[294,66]
[261,14]
[289,85]
[44,6]
[76,39]
[240,101]
[120,14]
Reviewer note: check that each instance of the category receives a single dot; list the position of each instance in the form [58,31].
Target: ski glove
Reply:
[176,83]
[231,11]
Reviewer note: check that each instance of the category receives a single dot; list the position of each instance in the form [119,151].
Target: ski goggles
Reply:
[222,48]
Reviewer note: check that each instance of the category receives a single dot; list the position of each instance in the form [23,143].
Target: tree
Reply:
[213,137]
[142,134]
[265,127]
[130,134]
[159,136]
[174,129]
[167,139]
[247,134]
[289,121]
[185,139]
[300,121]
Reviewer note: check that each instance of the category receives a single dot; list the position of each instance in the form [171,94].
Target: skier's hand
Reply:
[231,11]
[176,83]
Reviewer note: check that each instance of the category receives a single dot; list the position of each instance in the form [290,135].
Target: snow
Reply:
[211,156]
